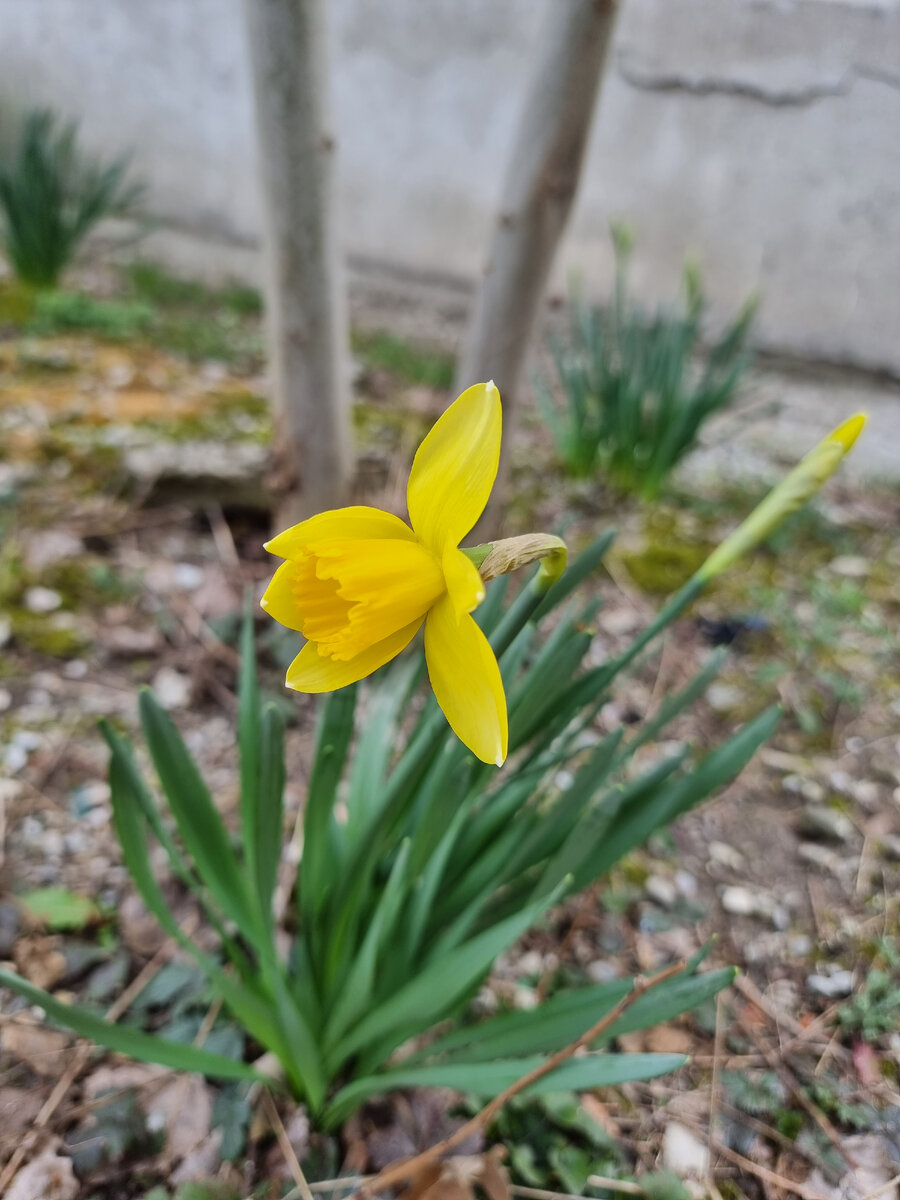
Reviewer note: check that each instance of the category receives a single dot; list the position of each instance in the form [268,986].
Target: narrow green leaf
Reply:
[355,996]
[671,999]
[547,680]
[296,1048]
[557,1022]
[492,815]
[202,829]
[677,702]
[513,658]
[375,746]
[287,1035]
[635,822]
[269,818]
[335,731]
[128,819]
[440,984]
[584,1073]
[439,798]
[249,740]
[423,898]
[563,1018]
[475,881]
[454,921]
[516,616]
[575,573]
[565,816]
[135,791]
[399,795]
[122,1039]
[589,839]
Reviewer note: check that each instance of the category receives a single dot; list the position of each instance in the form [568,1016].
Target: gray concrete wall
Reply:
[761,135]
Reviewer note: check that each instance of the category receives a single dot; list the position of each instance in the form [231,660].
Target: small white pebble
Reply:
[728,856]
[686,884]
[525,998]
[173,688]
[661,891]
[42,600]
[840,983]
[188,576]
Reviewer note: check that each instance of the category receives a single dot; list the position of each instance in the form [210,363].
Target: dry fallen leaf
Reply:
[18,1108]
[40,960]
[754,1015]
[669,1039]
[44,1050]
[455,1178]
[47,1177]
[183,1106]
[141,931]
[494,1177]
[356,1152]
[647,952]
[867,1064]
[874,1173]
[201,1163]
[122,1078]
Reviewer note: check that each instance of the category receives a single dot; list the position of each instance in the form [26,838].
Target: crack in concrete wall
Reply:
[791,96]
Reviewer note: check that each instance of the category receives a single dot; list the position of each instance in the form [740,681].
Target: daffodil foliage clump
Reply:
[421,860]
[420,865]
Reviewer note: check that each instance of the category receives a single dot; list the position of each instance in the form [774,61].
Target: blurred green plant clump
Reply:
[419,867]
[53,193]
[632,392]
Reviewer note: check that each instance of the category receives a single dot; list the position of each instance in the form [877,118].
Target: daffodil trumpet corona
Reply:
[358,583]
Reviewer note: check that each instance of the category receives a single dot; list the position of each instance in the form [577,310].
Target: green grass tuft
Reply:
[425,368]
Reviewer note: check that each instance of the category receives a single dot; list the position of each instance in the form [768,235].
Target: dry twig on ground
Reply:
[400,1171]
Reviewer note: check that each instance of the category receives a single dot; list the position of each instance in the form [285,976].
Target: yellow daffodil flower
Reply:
[358,582]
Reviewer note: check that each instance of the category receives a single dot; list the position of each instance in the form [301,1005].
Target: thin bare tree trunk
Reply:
[541,182]
[306,304]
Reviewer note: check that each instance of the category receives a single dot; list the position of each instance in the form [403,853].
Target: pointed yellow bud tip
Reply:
[849,431]
[792,493]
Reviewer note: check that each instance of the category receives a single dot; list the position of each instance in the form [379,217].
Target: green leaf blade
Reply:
[199,823]
[122,1039]
[488,1079]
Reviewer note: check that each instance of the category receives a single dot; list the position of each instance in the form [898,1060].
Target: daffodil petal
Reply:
[464,584]
[466,681]
[358,521]
[455,467]
[313,672]
[280,597]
